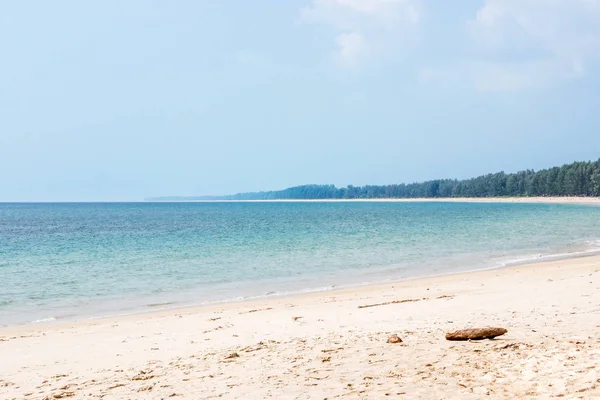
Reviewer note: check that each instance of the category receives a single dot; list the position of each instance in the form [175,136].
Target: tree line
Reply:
[575,179]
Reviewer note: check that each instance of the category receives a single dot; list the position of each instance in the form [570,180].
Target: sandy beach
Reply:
[333,344]
[536,200]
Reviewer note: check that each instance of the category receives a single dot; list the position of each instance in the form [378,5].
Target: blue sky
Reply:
[118,100]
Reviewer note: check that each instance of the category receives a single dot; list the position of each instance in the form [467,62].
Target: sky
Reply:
[114,100]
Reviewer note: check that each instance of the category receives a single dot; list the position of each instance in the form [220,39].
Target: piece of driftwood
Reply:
[387,303]
[475,334]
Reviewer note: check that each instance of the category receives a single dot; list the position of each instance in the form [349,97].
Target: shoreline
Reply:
[535,200]
[333,342]
[303,294]
[181,306]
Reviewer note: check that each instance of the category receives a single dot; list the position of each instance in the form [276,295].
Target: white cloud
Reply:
[362,27]
[532,43]
[508,45]
[518,45]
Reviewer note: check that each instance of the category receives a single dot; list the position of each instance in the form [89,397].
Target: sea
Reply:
[67,261]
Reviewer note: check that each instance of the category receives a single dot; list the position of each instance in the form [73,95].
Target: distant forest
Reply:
[576,179]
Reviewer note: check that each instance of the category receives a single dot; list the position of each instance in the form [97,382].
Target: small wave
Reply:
[41,321]
[594,242]
[549,257]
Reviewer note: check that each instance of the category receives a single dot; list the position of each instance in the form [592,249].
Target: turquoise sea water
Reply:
[84,260]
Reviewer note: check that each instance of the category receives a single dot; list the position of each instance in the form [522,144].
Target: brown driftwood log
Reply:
[475,334]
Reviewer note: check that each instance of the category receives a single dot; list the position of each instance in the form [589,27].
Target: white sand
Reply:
[323,345]
[542,200]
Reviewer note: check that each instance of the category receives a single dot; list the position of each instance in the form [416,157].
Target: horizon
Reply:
[209,197]
[118,102]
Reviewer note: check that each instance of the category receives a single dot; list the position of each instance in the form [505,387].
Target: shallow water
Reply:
[91,259]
